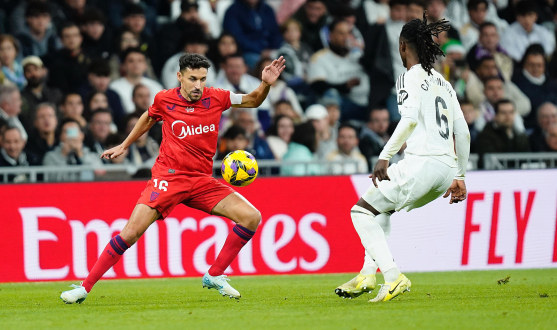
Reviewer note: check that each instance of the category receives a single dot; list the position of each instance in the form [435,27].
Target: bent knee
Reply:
[252,219]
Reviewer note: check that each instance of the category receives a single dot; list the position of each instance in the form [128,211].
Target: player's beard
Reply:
[193,97]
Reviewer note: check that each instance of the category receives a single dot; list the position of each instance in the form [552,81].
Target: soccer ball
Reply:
[239,168]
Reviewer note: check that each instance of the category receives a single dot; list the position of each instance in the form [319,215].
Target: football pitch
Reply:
[454,300]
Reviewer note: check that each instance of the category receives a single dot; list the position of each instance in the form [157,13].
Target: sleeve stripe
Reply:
[403,79]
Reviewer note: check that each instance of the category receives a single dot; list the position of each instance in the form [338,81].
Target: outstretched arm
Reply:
[269,76]
[143,125]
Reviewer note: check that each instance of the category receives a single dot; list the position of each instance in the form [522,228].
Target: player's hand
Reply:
[457,191]
[380,171]
[272,71]
[113,152]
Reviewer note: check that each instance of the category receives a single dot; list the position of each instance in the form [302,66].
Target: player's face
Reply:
[193,82]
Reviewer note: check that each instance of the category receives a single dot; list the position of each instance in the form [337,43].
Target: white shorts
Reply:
[415,182]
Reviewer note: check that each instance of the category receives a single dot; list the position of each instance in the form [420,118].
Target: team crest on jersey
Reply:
[402,96]
[171,108]
[154,196]
[206,102]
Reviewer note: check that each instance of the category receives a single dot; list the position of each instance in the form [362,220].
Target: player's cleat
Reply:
[390,290]
[357,286]
[76,295]
[220,283]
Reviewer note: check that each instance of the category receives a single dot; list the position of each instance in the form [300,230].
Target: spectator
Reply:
[145,149]
[333,109]
[547,116]
[525,32]
[296,53]
[551,139]
[36,91]
[69,63]
[225,45]
[212,13]
[39,38]
[71,150]
[469,32]
[124,41]
[18,19]
[11,70]
[533,82]
[238,81]
[135,21]
[13,154]
[97,39]
[98,80]
[300,149]
[453,66]
[374,134]
[347,150]
[234,139]
[141,98]
[499,135]
[95,101]
[476,92]
[141,12]
[284,107]
[381,59]
[334,73]
[494,92]
[436,11]
[488,46]
[457,14]
[193,44]
[43,138]
[415,9]
[313,16]
[326,135]
[10,109]
[257,145]
[279,90]
[73,9]
[377,12]
[355,41]
[279,135]
[72,108]
[254,25]
[99,130]
[135,66]
[470,115]
[170,36]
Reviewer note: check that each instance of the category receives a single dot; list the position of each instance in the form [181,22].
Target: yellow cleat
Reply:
[356,286]
[390,290]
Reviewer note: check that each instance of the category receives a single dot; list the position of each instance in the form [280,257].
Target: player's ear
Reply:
[179,75]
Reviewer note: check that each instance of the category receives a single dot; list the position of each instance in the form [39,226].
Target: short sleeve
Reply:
[224,97]
[408,96]
[155,110]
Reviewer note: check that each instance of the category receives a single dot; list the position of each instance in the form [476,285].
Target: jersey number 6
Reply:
[161,185]
[440,117]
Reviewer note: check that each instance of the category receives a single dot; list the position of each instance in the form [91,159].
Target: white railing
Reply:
[120,172]
[525,160]
[473,162]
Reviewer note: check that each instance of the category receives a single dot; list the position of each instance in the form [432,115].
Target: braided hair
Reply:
[419,33]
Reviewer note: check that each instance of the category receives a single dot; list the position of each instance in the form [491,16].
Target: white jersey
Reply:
[432,102]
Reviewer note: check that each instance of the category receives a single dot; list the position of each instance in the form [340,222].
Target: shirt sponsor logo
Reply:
[189,109]
[180,129]
[402,96]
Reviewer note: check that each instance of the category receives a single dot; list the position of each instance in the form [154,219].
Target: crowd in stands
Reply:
[75,75]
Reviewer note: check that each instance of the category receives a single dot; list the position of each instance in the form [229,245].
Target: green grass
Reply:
[437,301]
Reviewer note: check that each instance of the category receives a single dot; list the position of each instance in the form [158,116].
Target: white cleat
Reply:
[220,283]
[77,295]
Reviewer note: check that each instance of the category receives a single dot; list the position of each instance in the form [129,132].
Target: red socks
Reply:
[108,258]
[234,243]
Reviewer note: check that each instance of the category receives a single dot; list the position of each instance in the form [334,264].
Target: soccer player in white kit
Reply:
[431,116]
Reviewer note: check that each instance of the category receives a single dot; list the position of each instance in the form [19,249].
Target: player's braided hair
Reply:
[420,34]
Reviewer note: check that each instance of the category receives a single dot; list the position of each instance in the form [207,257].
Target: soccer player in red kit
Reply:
[182,172]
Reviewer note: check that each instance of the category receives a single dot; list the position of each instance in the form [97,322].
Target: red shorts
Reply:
[165,191]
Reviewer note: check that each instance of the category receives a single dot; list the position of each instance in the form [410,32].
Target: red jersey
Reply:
[190,129]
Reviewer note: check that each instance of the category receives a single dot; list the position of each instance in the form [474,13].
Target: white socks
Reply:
[370,267]
[375,242]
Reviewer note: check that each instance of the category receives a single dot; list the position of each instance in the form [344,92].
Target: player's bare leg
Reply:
[141,218]
[247,218]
